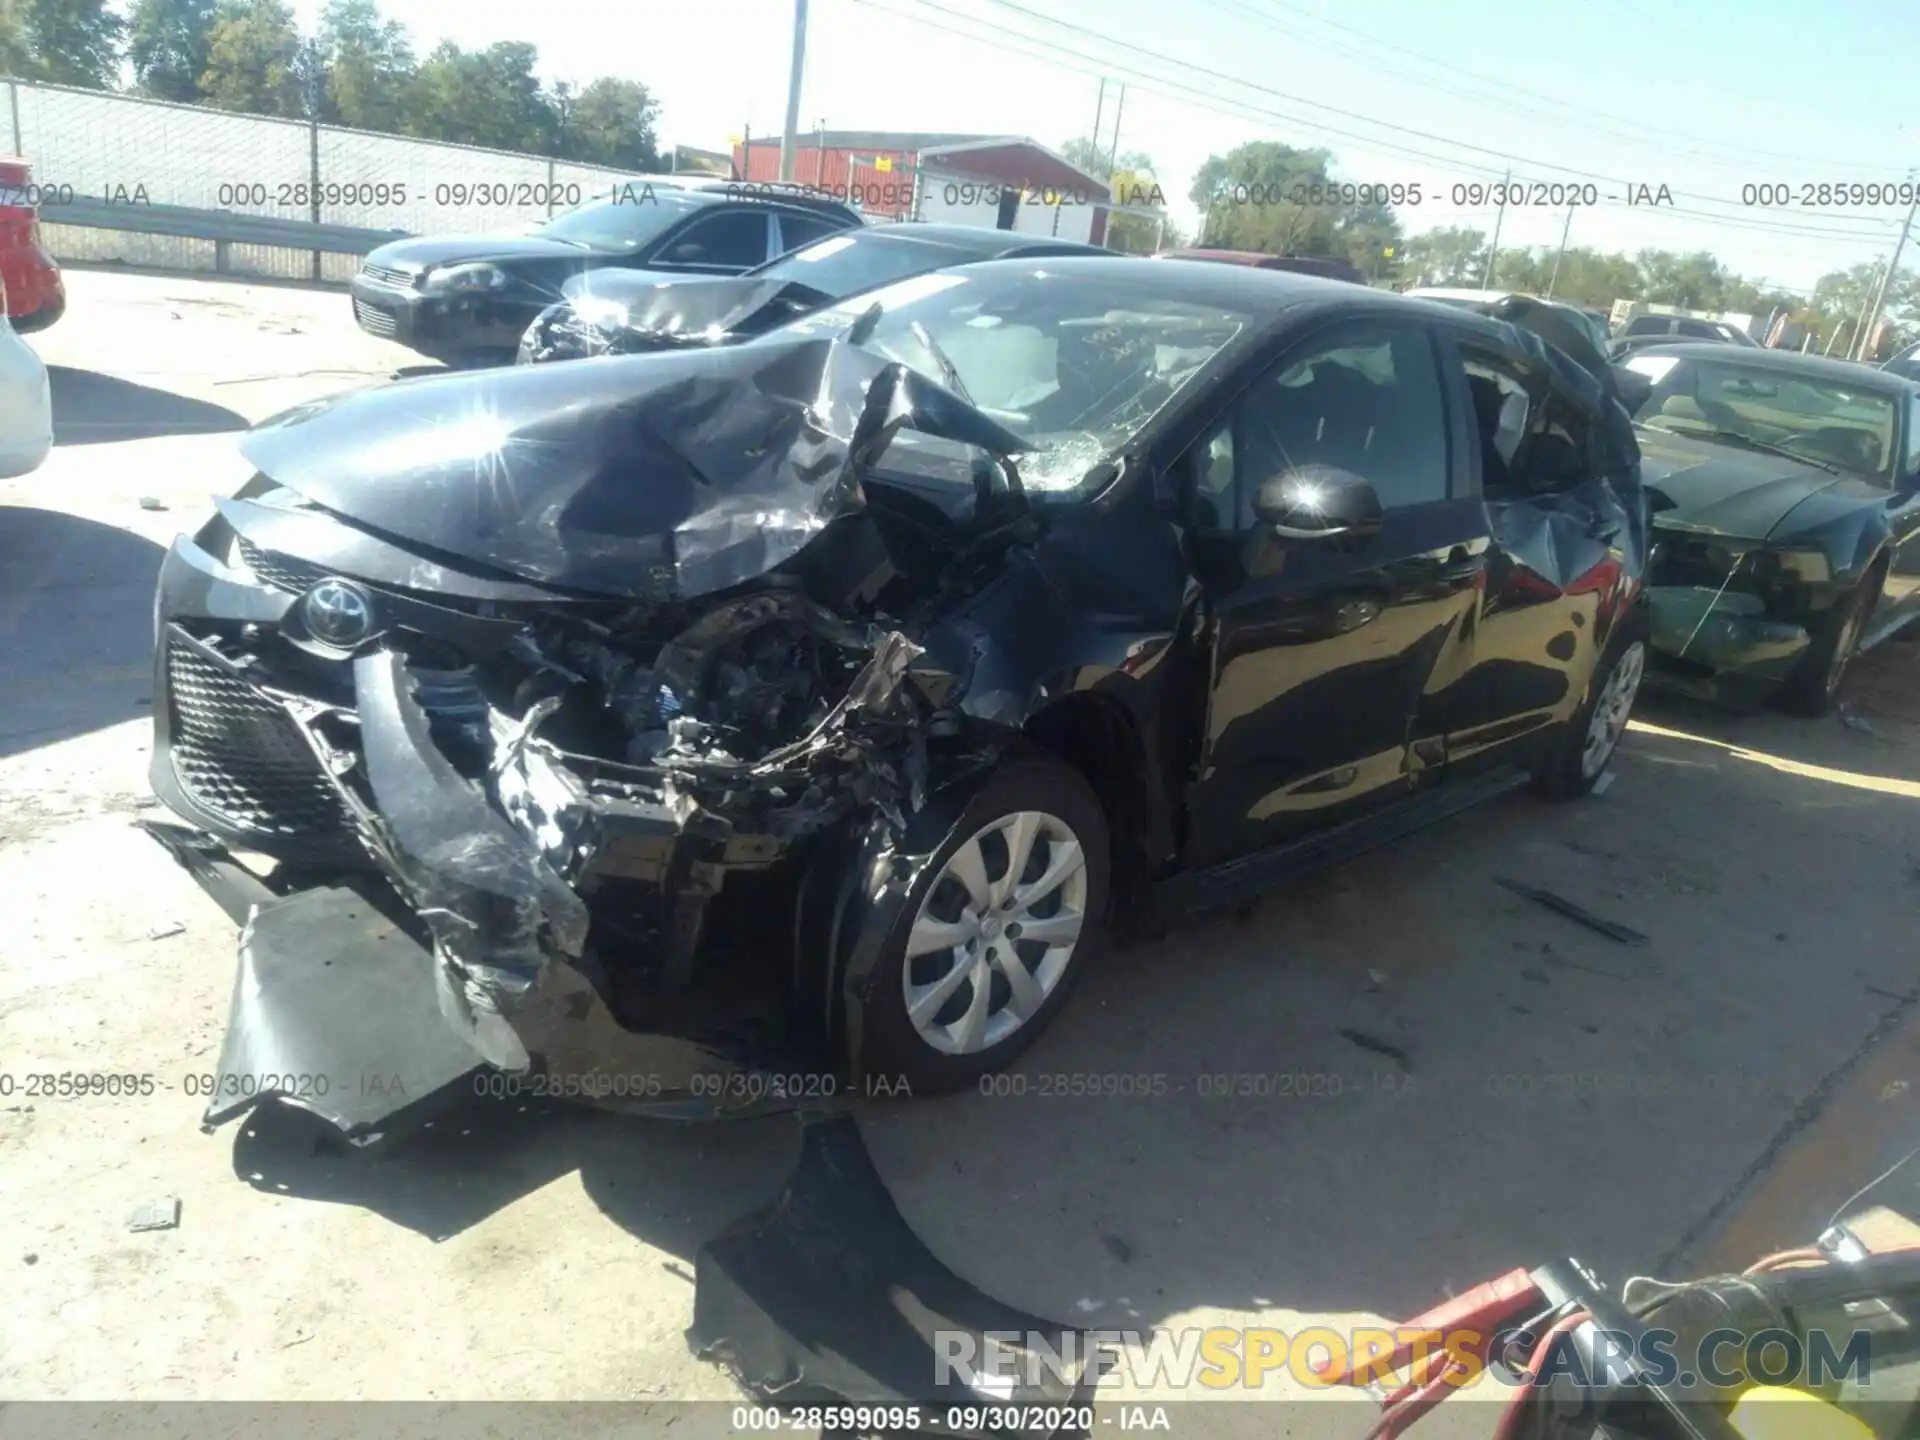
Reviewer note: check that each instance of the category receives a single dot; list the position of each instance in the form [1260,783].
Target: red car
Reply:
[1323,266]
[35,296]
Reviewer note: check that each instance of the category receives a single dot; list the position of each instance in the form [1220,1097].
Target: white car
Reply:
[26,403]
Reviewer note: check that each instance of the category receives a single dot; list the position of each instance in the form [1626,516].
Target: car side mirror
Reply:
[1317,502]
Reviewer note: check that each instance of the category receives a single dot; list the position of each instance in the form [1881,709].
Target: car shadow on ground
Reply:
[90,408]
[94,583]
[1369,1091]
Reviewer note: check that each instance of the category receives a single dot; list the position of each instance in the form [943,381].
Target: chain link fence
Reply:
[129,151]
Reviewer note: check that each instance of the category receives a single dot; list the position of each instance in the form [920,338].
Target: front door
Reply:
[1322,649]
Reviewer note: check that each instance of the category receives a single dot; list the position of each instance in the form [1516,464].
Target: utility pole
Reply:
[1880,295]
[1119,106]
[1560,254]
[790,135]
[1099,112]
[1493,250]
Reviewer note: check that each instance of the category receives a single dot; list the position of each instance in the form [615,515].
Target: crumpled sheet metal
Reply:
[650,477]
[667,312]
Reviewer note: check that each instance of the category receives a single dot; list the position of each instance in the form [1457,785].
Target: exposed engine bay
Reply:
[556,772]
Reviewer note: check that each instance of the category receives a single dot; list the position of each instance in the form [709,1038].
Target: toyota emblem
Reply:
[338,613]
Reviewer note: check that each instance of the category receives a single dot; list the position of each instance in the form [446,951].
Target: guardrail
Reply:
[224,228]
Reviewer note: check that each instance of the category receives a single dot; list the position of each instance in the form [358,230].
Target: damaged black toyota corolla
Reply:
[713,728]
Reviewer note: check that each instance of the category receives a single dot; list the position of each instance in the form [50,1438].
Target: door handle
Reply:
[1462,564]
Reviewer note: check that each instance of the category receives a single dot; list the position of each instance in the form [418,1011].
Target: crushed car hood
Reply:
[673,311]
[1723,490]
[654,477]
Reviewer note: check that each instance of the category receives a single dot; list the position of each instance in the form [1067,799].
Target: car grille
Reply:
[298,576]
[242,756]
[373,319]
[388,275]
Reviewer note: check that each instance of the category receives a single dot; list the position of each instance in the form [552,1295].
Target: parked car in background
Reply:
[1326,267]
[624,312]
[1486,301]
[1905,364]
[26,404]
[36,296]
[826,699]
[1644,330]
[1786,492]
[468,299]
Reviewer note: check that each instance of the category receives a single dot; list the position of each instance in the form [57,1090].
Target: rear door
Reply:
[1322,650]
[1554,564]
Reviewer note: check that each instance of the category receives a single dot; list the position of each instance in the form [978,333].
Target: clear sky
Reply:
[1703,96]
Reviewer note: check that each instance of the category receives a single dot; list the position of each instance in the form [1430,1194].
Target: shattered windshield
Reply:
[1825,421]
[1076,364]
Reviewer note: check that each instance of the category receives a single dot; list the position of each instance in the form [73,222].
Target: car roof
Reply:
[716,188]
[1786,362]
[1247,288]
[982,239]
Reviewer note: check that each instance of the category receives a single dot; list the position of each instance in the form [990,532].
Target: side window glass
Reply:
[734,238]
[797,229]
[1530,441]
[1368,402]
[1502,413]
[1912,463]
[1212,474]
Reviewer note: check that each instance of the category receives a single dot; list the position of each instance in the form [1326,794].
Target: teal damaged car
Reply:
[1786,525]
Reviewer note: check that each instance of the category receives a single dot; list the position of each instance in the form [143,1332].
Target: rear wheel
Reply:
[997,927]
[1584,749]
[1813,688]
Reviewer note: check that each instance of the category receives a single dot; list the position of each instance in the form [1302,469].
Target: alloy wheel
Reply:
[1610,712]
[995,932]
[1844,647]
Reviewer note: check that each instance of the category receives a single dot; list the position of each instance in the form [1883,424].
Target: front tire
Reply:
[1814,687]
[1585,747]
[998,926]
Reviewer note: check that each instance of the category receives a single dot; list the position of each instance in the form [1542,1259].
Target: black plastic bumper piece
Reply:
[334,1012]
[829,1294]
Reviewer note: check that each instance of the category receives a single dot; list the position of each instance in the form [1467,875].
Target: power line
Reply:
[1661,134]
[1239,109]
[1507,157]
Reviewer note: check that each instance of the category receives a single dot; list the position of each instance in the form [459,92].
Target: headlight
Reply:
[1805,566]
[477,276]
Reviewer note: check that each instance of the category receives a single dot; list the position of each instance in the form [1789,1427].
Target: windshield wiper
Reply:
[1751,442]
[948,374]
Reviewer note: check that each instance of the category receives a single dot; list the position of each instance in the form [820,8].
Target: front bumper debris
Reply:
[1720,644]
[829,1295]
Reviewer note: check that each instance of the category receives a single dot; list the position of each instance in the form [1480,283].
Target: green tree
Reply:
[483,97]
[370,67]
[1131,234]
[167,43]
[611,123]
[1252,199]
[1696,281]
[253,59]
[16,53]
[1449,256]
[71,42]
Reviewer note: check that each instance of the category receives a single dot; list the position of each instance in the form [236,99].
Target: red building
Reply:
[1005,182]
